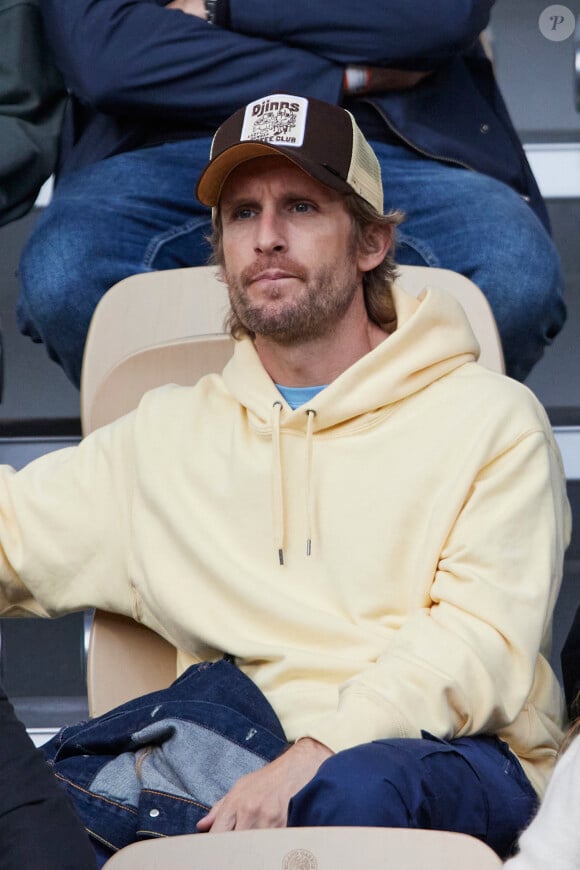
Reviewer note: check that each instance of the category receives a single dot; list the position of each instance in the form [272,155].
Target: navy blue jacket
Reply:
[142,74]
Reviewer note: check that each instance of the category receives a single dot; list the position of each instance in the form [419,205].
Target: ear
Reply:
[377,243]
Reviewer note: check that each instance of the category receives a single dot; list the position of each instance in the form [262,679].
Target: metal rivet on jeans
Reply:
[153,813]
[484,128]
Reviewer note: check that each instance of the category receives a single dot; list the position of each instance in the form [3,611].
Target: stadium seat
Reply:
[310,849]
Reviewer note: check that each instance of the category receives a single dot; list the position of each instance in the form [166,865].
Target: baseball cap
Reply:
[322,139]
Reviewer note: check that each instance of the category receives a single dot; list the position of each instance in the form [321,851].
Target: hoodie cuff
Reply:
[360,720]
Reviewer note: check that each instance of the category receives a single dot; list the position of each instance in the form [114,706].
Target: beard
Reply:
[325,298]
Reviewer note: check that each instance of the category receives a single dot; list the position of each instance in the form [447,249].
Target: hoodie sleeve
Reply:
[470,662]
[65,527]
[388,33]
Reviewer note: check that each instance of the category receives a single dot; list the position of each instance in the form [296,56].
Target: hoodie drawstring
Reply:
[277,494]
[277,482]
[310,415]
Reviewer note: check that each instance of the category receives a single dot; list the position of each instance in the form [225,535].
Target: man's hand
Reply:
[191,7]
[260,799]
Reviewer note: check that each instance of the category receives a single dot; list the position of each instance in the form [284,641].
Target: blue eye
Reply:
[243,214]
[302,207]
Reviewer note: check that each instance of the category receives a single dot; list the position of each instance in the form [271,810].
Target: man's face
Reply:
[290,259]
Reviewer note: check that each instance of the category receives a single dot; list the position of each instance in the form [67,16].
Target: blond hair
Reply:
[574,728]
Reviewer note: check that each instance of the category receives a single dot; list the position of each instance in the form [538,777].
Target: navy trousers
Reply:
[472,785]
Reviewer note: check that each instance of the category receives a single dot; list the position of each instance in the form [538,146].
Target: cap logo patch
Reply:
[279,119]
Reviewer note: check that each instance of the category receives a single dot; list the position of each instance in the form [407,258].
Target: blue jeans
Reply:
[137,212]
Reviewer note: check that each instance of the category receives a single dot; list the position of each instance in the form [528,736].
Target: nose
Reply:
[270,236]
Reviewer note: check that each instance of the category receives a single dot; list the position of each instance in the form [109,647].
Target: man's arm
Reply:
[414,35]
[260,799]
[65,527]
[467,664]
[360,80]
[133,57]
[137,56]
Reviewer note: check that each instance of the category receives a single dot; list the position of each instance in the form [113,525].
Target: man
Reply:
[382,560]
[150,82]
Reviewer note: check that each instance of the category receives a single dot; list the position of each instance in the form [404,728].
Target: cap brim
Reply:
[216,173]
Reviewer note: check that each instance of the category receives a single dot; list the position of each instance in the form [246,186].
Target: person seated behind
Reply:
[147,94]
[551,840]
[367,521]
[39,829]
[32,103]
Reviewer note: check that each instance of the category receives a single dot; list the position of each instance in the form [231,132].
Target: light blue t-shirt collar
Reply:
[297,396]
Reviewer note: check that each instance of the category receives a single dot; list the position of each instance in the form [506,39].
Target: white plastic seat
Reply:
[311,849]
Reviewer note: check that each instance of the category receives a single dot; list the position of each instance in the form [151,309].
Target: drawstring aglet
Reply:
[281,556]
[308,547]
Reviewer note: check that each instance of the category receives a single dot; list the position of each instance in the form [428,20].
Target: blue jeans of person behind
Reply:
[137,212]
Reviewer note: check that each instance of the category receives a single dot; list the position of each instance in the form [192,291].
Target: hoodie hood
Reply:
[433,337]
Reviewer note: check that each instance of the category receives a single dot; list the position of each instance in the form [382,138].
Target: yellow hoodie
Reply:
[428,492]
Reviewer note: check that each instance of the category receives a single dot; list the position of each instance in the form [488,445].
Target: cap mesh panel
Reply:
[365,172]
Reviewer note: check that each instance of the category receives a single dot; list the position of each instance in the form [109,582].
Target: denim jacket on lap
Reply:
[154,766]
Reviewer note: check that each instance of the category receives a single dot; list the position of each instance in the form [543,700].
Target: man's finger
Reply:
[207,821]
[224,821]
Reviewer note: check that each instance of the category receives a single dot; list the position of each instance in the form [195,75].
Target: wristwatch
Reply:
[210,10]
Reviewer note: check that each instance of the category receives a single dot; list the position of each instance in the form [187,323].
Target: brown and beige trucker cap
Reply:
[322,139]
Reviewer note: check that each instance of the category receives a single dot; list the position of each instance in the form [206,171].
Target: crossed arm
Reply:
[377,78]
[130,57]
